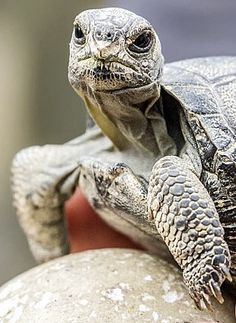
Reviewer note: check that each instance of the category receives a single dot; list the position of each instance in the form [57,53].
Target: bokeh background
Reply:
[37,105]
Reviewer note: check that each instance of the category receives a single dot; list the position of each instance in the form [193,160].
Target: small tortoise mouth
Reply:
[107,76]
[112,70]
[105,73]
[112,66]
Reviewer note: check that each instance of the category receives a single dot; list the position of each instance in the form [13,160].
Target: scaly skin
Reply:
[188,222]
[116,67]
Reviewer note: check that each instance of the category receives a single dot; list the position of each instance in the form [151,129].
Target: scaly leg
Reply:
[188,222]
[43,178]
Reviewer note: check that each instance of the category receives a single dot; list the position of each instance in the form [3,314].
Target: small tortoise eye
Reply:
[142,43]
[79,35]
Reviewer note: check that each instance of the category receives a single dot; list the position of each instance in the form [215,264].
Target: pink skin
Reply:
[88,231]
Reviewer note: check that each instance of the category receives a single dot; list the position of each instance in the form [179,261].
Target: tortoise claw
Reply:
[216,292]
[226,272]
[197,300]
[204,286]
[207,302]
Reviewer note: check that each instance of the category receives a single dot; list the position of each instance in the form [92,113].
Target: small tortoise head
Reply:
[113,49]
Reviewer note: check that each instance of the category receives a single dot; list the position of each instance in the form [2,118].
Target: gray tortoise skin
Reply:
[159,161]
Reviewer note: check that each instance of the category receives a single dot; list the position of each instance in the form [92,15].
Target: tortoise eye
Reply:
[142,43]
[79,35]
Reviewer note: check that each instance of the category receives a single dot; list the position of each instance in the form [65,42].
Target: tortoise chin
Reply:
[101,76]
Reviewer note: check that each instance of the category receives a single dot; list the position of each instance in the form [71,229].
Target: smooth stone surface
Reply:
[108,285]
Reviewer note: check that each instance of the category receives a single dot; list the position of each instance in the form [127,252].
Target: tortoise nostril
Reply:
[98,35]
[104,35]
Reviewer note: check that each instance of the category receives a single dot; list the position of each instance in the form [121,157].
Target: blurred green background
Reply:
[37,105]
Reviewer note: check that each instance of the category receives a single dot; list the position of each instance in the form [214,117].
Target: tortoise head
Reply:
[113,49]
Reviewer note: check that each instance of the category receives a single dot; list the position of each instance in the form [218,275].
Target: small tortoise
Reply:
[158,161]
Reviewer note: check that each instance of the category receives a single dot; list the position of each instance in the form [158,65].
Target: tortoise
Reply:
[158,158]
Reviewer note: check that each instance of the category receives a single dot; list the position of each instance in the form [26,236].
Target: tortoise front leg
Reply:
[43,178]
[188,222]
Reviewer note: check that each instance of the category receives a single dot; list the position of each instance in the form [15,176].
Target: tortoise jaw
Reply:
[106,76]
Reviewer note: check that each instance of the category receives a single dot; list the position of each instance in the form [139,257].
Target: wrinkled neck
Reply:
[123,114]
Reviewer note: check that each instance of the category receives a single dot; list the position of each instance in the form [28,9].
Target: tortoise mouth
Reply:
[111,66]
[105,76]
